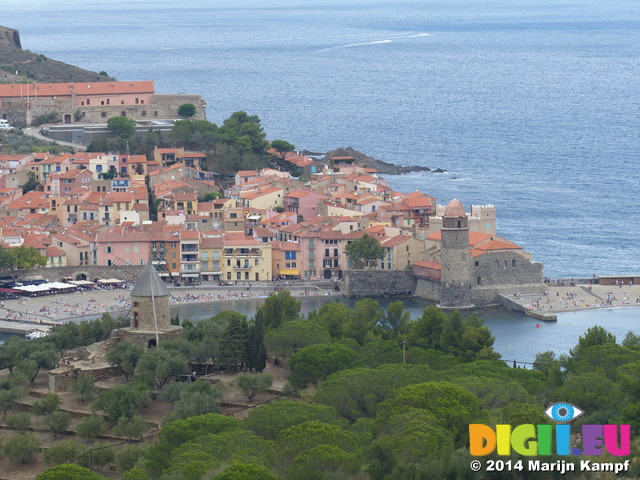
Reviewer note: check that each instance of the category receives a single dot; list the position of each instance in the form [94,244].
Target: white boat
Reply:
[36,334]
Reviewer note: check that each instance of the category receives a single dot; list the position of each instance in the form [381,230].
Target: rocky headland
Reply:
[383,168]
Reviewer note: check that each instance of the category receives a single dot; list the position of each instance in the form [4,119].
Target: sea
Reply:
[531,106]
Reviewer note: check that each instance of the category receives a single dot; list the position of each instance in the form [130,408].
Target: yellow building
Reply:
[246,259]
[211,257]
[267,198]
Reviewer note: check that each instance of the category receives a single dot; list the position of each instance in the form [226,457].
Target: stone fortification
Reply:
[22,112]
[379,283]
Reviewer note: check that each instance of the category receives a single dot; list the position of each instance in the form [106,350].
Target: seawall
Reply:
[379,283]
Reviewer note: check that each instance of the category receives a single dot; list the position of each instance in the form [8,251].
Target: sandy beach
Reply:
[53,309]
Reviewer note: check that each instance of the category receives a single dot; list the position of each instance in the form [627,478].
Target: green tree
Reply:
[22,449]
[246,471]
[100,455]
[299,438]
[128,456]
[47,405]
[31,183]
[333,316]
[122,127]
[135,474]
[131,428]
[199,398]
[396,319]
[453,406]
[83,388]
[596,335]
[19,421]
[57,422]
[291,336]
[68,471]
[365,252]
[25,258]
[212,196]
[91,428]
[123,400]
[64,451]
[256,351]
[253,384]
[157,366]
[321,462]
[187,110]
[125,356]
[8,398]
[357,392]
[316,362]
[282,147]
[233,348]
[178,432]
[244,131]
[364,319]
[270,419]
[278,308]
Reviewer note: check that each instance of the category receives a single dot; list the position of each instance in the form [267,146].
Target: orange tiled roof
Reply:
[81,88]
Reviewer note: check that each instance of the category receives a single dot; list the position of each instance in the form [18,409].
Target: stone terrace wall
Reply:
[379,283]
[91,272]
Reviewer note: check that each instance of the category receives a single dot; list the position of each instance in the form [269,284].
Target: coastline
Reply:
[62,308]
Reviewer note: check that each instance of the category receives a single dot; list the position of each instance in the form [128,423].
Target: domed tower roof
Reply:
[454,209]
[149,283]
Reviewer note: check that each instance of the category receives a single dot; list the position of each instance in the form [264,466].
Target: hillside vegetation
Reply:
[33,67]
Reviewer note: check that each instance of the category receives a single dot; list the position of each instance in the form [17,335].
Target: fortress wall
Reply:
[428,289]
[379,283]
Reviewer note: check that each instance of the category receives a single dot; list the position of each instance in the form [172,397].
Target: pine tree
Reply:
[233,348]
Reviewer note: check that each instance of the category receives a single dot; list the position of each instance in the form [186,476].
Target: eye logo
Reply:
[563,412]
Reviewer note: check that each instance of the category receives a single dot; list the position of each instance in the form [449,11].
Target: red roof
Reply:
[81,88]
[427,264]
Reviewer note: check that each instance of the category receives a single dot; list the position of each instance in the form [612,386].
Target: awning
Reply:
[81,282]
[110,280]
[190,275]
[289,272]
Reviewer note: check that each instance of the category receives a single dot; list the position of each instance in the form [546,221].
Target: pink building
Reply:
[61,184]
[128,243]
[304,202]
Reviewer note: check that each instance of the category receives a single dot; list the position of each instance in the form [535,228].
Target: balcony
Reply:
[190,258]
[189,248]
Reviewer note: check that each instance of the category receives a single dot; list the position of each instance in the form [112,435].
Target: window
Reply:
[311,254]
[312,264]
[257,262]
[173,266]
[477,263]
[204,255]
[143,113]
[126,249]
[239,275]
[311,243]
[155,114]
[335,252]
[228,262]
[233,215]
[228,275]
[513,264]
[326,252]
[479,280]
[135,249]
[216,255]
[103,114]
[108,249]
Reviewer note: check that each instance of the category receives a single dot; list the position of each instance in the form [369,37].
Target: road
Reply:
[35,132]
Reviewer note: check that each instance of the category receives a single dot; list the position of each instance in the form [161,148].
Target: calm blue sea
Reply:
[532,106]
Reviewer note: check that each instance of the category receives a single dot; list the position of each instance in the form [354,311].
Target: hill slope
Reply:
[33,67]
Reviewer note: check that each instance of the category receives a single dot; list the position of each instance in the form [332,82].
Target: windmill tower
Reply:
[150,315]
